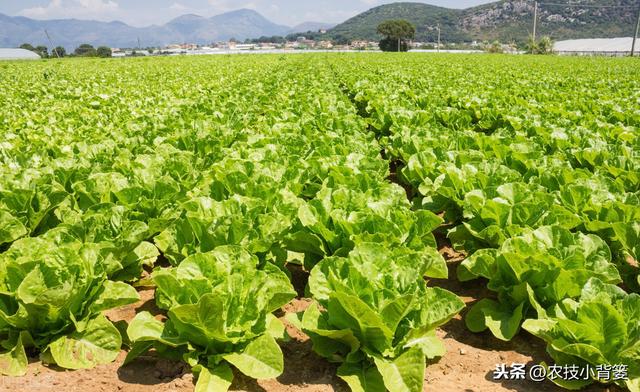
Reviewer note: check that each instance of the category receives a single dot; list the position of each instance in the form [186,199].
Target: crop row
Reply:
[207,178]
[535,170]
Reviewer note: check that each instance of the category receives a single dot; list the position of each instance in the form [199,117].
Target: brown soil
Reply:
[467,366]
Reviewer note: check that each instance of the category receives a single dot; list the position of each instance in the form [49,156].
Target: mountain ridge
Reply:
[238,24]
[504,20]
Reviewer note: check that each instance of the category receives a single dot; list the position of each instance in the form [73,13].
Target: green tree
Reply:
[59,51]
[104,51]
[532,46]
[28,47]
[341,40]
[43,51]
[396,33]
[494,47]
[543,46]
[85,50]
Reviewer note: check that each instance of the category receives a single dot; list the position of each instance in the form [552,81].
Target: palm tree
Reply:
[545,45]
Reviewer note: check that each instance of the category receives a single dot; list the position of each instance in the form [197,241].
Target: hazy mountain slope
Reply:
[310,26]
[506,20]
[240,24]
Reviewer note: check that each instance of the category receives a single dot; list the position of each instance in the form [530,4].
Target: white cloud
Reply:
[219,6]
[177,7]
[85,9]
[145,12]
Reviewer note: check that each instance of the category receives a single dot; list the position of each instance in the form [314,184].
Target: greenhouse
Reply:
[17,54]
[597,46]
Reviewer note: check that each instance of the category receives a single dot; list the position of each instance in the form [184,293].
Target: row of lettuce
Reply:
[215,174]
[211,175]
[535,166]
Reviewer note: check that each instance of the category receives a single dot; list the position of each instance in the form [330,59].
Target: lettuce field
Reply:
[319,222]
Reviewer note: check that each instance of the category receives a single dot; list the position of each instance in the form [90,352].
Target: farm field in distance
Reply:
[320,222]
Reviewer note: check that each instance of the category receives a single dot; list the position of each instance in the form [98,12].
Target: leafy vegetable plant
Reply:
[599,330]
[219,307]
[628,234]
[341,217]
[120,239]
[376,316]
[508,210]
[51,300]
[531,273]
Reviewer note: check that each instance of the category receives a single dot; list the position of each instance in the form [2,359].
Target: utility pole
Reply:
[635,36]
[437,27]
[535,19]
[398,45]
[51,43]
[139,43]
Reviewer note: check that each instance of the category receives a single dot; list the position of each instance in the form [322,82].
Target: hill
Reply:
[310,26]
[506,20]
[71,32]
[423,16]
[512,20]
[240,24]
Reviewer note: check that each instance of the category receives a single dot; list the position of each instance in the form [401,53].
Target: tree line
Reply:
[84,50]
[398,33]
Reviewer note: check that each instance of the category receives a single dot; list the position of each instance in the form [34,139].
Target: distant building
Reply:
[17,54]
[182,47]
[363,45]
[245,46]
[324,45]
[306,44]
[116,52]
[359,44]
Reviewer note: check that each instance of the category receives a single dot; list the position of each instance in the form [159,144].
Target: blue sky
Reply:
[146,12]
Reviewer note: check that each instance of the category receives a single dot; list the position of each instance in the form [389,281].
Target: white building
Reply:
[598,46]
[17,54]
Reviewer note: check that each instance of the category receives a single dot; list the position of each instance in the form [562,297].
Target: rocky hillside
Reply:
[512,20]
[507,20]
